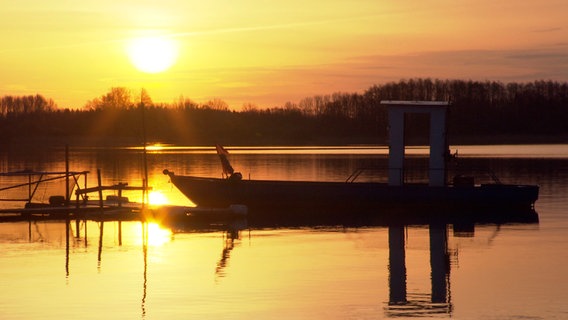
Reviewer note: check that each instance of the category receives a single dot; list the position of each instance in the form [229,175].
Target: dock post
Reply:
[77,221]
[84,219]
[99,182]
[102,222]
[67,195]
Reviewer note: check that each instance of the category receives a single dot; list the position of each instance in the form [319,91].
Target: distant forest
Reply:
[485,112]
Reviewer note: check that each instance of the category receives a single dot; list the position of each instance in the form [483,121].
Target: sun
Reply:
[153,54]
[157,198]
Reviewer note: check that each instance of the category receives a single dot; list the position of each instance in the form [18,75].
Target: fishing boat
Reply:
[460,194]
[267,194]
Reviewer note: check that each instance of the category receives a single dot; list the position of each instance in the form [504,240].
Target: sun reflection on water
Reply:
[153,234]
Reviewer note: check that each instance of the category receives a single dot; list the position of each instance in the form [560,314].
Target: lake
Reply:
[152,271]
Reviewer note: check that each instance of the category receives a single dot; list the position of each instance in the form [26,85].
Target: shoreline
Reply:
[107,142]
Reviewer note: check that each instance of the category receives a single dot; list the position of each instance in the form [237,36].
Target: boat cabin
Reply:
[437,110]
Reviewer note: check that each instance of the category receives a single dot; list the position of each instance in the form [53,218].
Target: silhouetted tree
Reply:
[217,104]
[249,107]
[484,110]
[185,103]
[116,98]
[25,104]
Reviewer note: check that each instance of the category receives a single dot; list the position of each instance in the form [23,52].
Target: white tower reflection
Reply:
[402,303]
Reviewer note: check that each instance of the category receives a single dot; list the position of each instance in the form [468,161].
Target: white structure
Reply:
[437,111]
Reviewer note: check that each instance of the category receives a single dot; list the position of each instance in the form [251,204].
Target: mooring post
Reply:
[86,198]
[67,195]
[77,221]
[102,223]
[99,182]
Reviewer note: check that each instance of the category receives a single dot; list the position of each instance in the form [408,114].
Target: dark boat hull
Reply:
[268,197]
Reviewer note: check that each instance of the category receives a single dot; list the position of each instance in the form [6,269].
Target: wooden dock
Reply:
[112,208]
[130,211]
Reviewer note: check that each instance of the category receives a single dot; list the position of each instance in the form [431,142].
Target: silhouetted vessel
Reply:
[460,198]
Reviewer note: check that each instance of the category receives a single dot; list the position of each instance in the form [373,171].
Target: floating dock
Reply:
[112,208]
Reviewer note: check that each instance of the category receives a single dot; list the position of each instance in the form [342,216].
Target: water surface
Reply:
[137,271]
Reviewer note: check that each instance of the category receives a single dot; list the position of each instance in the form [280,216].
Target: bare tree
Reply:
[26,104]
[249,107]
[116,98]
[217,104]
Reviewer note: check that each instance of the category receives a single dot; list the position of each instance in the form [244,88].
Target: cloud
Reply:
[513,65]
[547,30]
[274,86]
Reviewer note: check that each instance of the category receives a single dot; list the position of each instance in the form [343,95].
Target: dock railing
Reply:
[37,178]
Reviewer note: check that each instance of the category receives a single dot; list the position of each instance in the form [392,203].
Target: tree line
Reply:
[480,112]
[25,104]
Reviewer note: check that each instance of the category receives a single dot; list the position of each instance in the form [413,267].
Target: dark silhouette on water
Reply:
[401,303]
[396,200]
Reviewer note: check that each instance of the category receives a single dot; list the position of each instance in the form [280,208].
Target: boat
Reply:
[267,194]
[423,200]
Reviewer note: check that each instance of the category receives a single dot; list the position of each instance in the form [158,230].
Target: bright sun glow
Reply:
[155,147]
[157,198]
[153,54]
[157,235]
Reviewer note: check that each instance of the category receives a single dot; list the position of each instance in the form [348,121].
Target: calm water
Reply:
[510,271]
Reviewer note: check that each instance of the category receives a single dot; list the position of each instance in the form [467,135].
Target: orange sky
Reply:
[267,53]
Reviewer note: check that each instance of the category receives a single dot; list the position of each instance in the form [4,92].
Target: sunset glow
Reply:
[267,54]
[158,236]
[152,54]
[157,198]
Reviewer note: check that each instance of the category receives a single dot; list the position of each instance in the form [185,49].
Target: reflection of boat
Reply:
[414,304]
[436,196]
[180,217]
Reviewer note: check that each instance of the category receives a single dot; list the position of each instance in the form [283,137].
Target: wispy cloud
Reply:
[547,30]
[359,73]
[266,27]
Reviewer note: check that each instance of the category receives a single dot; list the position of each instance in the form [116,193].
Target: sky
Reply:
[267,53]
